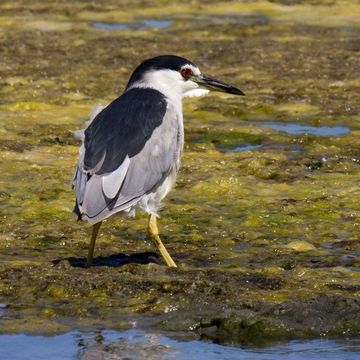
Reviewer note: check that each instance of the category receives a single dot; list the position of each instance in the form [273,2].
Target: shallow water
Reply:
[141,25]
[298,129]
[140,345]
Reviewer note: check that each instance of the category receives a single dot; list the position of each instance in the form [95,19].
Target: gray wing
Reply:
[101,194]
[122,129]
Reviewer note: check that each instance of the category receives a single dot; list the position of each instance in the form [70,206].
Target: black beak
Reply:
[213,84]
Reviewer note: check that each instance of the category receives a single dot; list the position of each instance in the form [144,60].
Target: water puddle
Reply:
[2,309]
[242,20]
[297,129]
[244,147]
[137,344]
[241,247]
[138,25]
[227,19]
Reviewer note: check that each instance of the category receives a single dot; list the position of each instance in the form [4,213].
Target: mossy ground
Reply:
[267,241]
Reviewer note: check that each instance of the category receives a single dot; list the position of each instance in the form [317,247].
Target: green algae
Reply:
[260,236]
[205,138]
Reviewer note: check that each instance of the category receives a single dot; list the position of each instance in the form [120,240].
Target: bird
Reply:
[130,151]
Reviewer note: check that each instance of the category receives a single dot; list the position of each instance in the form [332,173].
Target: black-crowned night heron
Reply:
[131,150]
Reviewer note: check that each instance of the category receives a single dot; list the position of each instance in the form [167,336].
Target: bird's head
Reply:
[177,77]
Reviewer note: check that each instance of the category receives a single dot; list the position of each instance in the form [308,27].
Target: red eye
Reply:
[186,73]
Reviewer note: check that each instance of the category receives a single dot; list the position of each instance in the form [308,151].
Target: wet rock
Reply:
[123,350]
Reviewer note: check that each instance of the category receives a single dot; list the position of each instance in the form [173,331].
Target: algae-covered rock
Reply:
[300,246]
[264,220]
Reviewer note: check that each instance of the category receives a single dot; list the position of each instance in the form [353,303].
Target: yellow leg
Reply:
[95,230]
[154,234]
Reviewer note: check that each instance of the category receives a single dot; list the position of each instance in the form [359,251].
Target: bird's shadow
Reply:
[115,260]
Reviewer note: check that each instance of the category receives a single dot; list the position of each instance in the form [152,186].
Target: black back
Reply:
[171,62]
[123,128]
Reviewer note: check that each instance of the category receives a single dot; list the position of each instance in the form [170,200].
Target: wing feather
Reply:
[123,128]
[111,183]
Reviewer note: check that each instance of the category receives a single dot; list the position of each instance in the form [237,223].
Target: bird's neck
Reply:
[161,82]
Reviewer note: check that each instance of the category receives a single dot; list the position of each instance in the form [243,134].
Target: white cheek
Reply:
[189,85]
[196,93]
